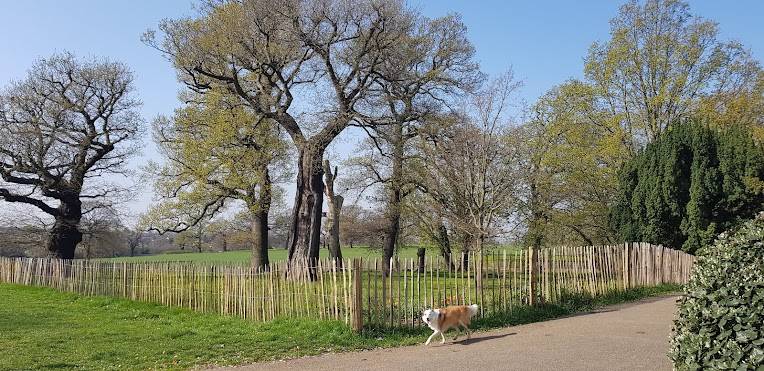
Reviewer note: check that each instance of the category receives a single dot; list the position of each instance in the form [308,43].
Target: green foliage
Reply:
[721,315]
[215,150]
[572,165]
[662,63]
[690,184]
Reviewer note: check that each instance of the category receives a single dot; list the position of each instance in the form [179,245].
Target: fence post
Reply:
[357,320]
[534,274]
[627,266]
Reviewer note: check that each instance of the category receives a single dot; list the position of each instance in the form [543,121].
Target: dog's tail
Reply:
[473,309]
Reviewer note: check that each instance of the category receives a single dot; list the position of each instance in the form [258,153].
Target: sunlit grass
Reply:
[45,329]
[274,255]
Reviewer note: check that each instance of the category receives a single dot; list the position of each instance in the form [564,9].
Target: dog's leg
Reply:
[430,338]
[442,338]
[457,333]
[466,329]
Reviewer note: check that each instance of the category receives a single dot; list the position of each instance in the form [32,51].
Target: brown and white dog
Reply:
[440,320]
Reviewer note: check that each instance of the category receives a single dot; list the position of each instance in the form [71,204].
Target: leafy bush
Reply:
[721,317]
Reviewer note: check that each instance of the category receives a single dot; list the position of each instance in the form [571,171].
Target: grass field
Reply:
[243,256]
[45,329]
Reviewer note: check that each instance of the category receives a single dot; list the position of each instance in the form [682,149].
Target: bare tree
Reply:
[135,240]
[361,227]
[22,234]
[102,232]
[69,123]
[470,167]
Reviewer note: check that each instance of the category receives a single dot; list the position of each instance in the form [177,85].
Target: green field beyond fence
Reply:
[357,291]
[242,257]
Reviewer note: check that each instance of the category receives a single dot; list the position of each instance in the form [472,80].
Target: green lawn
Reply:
[243,256]
[44,329]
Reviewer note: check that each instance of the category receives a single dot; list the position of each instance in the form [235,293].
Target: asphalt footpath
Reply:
[631,336]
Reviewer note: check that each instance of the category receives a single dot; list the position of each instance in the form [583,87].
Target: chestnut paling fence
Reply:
[358,291]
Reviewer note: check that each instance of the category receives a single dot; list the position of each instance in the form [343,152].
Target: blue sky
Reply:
[544,42]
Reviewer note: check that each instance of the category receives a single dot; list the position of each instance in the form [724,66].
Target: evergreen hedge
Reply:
[689,185]
[721,317]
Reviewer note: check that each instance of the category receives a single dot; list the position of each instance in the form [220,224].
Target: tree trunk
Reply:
[391,237]
[133,243]
[334,232]
[536,239]
[533,294]
[305,229]
[260,213]
[334,207]
[395,197]
[587,240]
[65,234]
[260,240]
[465,260]
[445,245]
[87,249]
[467,241]
[420,258]
[479,264]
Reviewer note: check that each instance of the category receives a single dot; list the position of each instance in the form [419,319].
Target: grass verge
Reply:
[45,329]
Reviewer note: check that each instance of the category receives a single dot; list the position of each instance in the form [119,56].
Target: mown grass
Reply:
[243,256]
[45,329]
[274,255]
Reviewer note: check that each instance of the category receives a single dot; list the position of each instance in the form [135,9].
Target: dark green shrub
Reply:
[689,185]
[721,317]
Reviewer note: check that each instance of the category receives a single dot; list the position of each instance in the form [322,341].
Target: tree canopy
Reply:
[663,63]
[216,151]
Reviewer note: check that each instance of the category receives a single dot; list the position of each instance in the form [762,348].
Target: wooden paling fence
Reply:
[360,292]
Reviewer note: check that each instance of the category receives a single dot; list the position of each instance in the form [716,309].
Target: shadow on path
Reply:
[483,338]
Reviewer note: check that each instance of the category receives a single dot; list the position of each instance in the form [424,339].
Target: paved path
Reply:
[626,337]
